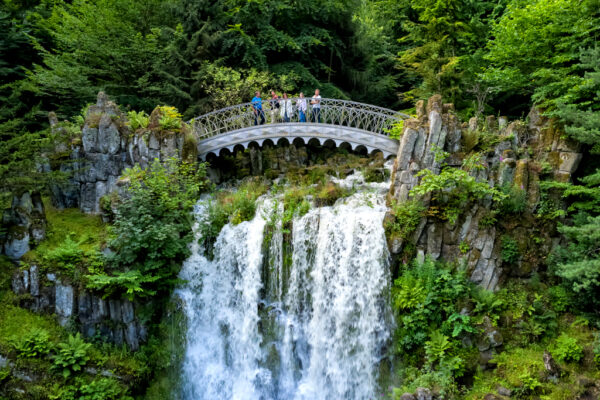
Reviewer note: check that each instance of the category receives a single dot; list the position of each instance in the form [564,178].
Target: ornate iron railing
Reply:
[351,114]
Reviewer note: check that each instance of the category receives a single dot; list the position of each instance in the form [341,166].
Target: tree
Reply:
[443,42]
[535,50]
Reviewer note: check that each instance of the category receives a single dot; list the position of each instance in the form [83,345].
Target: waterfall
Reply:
[314,326]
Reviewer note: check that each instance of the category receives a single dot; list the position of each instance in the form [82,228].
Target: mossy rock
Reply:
[328,194]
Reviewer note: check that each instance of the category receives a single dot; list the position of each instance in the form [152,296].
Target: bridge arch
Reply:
[342,122]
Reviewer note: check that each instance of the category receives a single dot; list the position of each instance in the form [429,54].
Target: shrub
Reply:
[66,255]
[35,343]
[566,349]
[397,129]
[100,389]
[596,348]
[71,356]
[437,346]
[138,120]
[170,119]
[515,201]
[328,194]
[452,190]
[510,250]
[406,217]
[152,229]
[230,206]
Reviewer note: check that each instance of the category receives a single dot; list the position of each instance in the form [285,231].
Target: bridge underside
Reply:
[355,138]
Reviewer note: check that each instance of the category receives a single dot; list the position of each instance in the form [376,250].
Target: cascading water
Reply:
[314,326]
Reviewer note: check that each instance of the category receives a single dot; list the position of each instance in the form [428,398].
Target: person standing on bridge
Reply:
[274,105]
[301,106]
[257,108]
[316,106]
[286,108]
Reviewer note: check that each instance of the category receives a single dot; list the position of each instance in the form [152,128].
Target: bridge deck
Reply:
[305,131]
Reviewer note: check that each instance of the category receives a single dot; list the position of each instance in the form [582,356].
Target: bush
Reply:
[66,255]
[510,250]
[71,356]
[566,349]
[229,206]
[170,119]
[470,140]
[452,190]
[515,201]
[406,217]
[152,229]
[397,129]
[138,120]
[100,389]
[33,344]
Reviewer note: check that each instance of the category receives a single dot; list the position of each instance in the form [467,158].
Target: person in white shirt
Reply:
[286,108]
[301,106]
[316,106]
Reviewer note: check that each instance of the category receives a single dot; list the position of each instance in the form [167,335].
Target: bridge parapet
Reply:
[358,124]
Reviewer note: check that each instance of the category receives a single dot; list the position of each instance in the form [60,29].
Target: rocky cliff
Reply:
[516,155]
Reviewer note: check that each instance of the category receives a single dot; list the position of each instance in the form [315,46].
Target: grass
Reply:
[88,230]
[72,244]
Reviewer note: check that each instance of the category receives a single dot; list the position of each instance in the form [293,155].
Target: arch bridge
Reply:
[357,125]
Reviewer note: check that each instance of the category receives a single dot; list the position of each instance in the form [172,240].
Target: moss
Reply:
[88,231]
[328,194]
[166,350]
[189,151]
[93,119]
[521,178]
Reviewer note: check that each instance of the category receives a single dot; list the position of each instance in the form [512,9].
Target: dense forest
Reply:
[163,62]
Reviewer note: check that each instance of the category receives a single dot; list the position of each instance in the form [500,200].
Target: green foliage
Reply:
[170,119]
[578,263]
[510,250]
[515,200]
[536,44]
[406,217]
[441,43]
[596,349]
[397,129]
[100,389]
[567,349]
[67,255]
[230,206]
[425,295]
[36,343]
[437,346]
[138,120]
[152,229]
[452,190]
[71,356]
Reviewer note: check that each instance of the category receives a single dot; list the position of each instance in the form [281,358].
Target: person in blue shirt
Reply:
[257,108]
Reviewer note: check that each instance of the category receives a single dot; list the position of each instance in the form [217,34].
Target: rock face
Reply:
[25,224]
[114,319]
[107,147]
[516,160]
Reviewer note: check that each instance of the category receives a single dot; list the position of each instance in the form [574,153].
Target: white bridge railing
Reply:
[373,119]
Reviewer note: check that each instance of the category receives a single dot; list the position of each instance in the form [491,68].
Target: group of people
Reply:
[281,108]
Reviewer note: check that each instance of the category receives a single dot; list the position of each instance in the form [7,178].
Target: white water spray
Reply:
[317,331]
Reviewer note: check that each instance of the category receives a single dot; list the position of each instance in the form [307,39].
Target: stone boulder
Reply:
[25,224]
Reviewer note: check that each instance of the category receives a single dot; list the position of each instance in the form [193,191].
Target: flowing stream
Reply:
[301,314]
